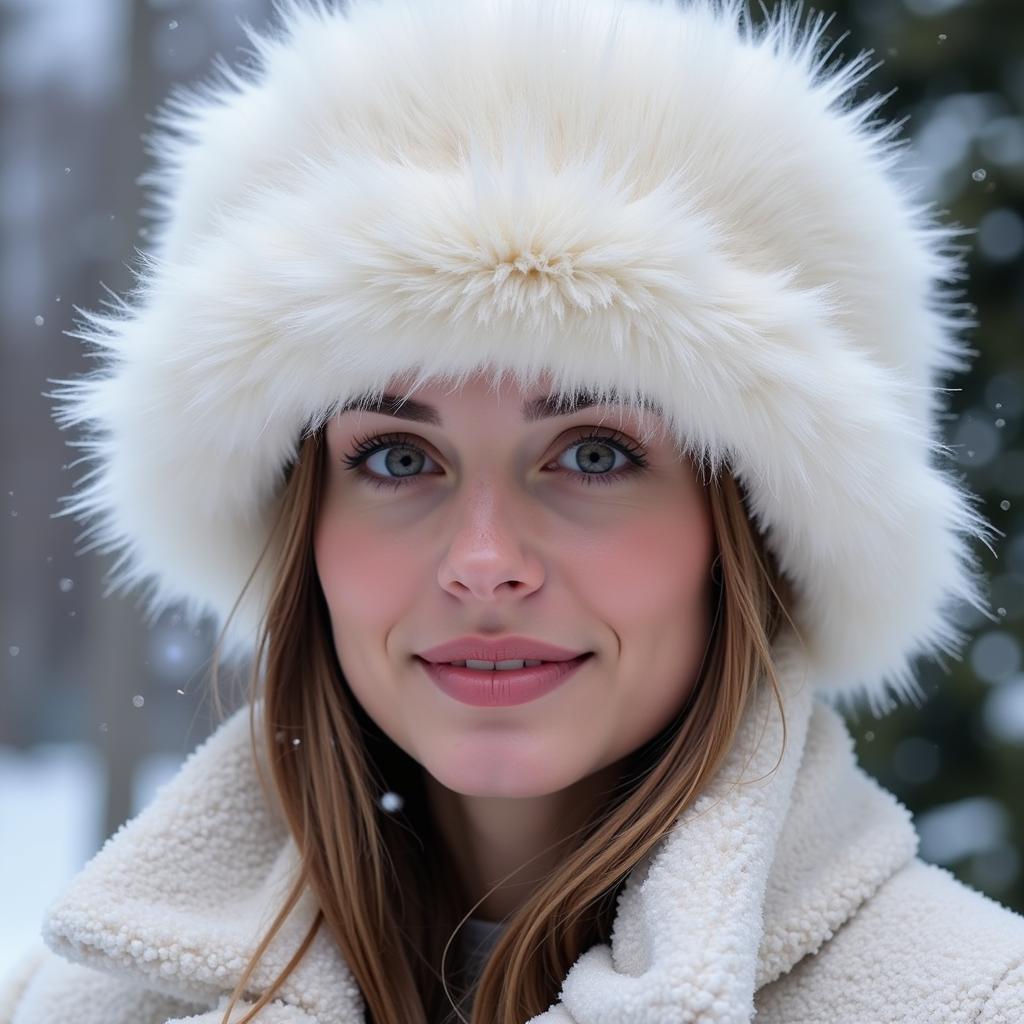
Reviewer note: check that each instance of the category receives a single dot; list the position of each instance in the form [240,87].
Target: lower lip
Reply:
[501,689]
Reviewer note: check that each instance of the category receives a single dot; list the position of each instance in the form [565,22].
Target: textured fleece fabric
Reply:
[794,895]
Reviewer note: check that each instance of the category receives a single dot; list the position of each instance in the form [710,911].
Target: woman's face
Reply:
[488,523]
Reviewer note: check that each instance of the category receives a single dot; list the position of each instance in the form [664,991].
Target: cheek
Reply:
[365,576]
[653,591]
[653,571]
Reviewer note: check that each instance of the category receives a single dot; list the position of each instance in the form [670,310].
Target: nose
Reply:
[488,553]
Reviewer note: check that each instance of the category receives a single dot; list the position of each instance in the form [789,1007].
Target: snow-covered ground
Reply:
[51,801]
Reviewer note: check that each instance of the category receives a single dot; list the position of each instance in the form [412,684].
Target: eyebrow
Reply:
[536,409]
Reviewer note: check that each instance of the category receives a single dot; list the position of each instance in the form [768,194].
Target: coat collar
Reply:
[752,878]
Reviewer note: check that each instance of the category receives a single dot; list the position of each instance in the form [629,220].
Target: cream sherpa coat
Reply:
[796,897]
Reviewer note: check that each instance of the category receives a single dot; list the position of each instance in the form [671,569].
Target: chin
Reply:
[497,778]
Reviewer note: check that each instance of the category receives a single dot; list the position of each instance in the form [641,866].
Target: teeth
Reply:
[491,666]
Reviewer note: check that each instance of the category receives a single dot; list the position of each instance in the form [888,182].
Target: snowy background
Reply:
[96,710]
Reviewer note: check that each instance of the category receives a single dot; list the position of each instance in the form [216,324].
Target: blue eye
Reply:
[409,457]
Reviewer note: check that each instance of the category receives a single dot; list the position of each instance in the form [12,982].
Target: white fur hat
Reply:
[651,199]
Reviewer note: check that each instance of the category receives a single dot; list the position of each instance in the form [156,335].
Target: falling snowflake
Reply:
[391,801]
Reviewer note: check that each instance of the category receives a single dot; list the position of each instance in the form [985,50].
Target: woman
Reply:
[585,333]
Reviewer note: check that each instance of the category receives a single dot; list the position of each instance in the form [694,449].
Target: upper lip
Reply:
[504,648]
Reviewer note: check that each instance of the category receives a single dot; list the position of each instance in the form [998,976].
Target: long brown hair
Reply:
[385,884]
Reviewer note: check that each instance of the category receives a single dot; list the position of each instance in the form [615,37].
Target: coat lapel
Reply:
[758,873]
[753,877]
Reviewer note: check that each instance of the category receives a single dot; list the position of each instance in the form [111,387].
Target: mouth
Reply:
[497,652]
[511,665]
[501,687]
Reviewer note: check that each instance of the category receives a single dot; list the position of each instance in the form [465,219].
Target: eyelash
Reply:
[369,444]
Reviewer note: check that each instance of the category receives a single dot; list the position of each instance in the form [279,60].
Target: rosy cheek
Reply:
[363,573]
[651,565]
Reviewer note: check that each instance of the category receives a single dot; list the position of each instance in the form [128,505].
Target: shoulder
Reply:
[45,988]
[923,948]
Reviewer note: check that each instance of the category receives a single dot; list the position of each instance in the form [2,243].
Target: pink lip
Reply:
[506,648]
[501,688]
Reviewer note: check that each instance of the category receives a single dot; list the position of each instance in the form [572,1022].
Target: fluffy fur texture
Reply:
[654,199]
[795,893]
